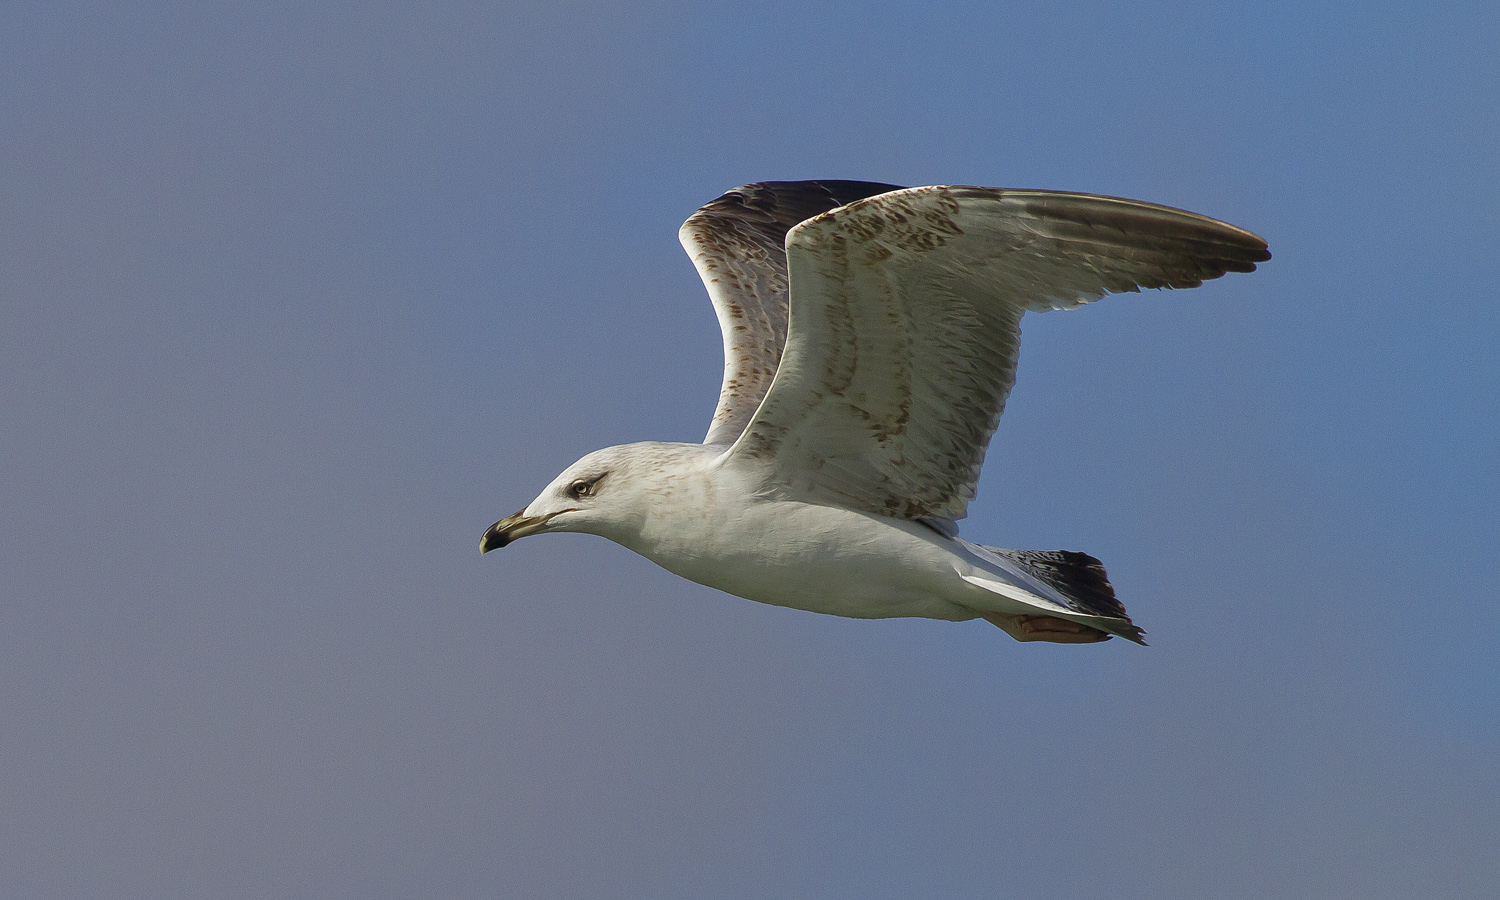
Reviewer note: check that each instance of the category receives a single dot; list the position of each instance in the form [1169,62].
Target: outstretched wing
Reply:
[905,324]
[737,243]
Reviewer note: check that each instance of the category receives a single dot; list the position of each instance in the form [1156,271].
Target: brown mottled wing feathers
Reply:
[905,325]
[737,242]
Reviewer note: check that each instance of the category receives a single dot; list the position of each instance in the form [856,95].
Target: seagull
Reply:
[870,341]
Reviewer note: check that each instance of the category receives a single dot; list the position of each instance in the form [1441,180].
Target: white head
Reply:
[609,493]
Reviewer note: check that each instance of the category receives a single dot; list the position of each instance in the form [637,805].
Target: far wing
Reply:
[905,325]
[737,243]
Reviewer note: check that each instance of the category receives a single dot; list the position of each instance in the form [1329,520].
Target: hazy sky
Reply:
[295,300]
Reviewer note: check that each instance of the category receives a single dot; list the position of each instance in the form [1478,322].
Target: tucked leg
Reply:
[1045,628]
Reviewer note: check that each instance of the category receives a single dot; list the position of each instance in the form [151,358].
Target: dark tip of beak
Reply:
[495,538]
[516,525]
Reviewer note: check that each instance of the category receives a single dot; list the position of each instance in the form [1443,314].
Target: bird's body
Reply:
[708,526]
[870,339]
[705,522]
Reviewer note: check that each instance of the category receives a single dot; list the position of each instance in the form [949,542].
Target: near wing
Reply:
[737,243]
[905,323]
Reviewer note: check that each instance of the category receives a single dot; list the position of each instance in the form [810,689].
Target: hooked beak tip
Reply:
[517,525]
[493,539]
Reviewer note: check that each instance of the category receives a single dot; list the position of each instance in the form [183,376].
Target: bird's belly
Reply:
[819,559]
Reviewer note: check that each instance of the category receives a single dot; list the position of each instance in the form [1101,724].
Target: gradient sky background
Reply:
[298,298]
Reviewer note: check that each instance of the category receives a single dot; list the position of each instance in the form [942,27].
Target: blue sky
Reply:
[298,299]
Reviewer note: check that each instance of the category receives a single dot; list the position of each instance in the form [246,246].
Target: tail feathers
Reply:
[1079,578]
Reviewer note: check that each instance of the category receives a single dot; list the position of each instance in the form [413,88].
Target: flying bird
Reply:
[870,340]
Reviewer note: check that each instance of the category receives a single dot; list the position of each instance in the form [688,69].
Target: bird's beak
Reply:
[511,527]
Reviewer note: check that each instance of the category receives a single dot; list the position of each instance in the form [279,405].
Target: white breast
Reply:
[801,555]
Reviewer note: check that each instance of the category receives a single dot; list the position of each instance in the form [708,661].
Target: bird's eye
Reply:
[580,489]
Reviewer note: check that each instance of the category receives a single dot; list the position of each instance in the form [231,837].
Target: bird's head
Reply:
[609,493]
